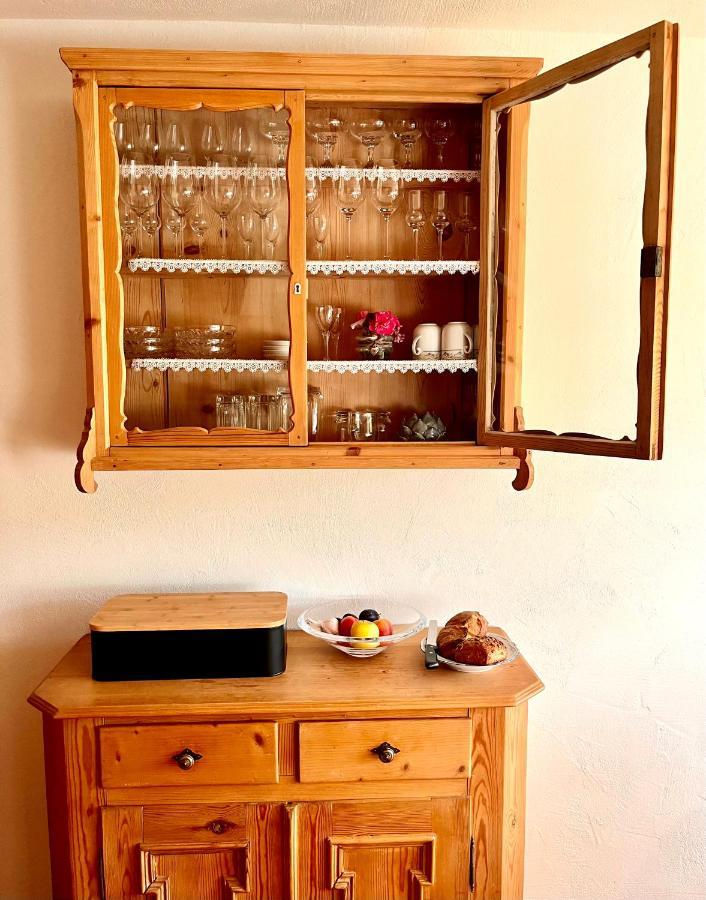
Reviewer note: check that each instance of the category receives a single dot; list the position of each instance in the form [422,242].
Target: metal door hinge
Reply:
[472,867]
[651,262]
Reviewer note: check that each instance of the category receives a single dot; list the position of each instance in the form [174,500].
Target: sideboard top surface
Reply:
[318,680]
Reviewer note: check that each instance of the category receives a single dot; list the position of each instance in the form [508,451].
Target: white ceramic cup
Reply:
[457,341]
[426,341]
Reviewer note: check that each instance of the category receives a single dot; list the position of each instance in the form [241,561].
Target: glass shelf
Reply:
[342,366]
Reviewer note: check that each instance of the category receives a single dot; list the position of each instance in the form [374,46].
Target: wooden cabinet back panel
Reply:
[140,755]
[342,751]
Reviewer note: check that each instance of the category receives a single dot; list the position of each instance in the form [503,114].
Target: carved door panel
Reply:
[209,852]
[399,850]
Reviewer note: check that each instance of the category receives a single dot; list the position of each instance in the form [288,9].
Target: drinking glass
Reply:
[246,230]
[416,217]
[350,193]
[128,225]
[319,222]
[440,217]
[240,145]
[137,190]
[173,226]
[407,130]
[329,320]
[439,131]
[263,191]
[176,144]
[147,142]
[124,143]
[313,187]
[325,126]
[151,223]
[465,223]
[272,232]
[199,224]
[222,194]
[388,193]
[370,130]
[275,127]
[212,143]
[180,191]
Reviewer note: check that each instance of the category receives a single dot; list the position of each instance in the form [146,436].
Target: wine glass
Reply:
[439,130]
[176,145]
[350,193]
[263,190]
[319,222]
[313,187]
[212,143]
[128,226]
[124,143]
[388,193]
[465,223]
[221,193]
[275,127]
[325,126]
[173,226]
[440,217]
[272,232]
[416,217]
[180,191]
[240,144]
[370,130]
[329,321]
[151,223]
[147,143]
[407,130]
[138,190]
[199,224]
[246,230]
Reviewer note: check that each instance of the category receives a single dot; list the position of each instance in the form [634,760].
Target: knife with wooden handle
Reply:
[431,660]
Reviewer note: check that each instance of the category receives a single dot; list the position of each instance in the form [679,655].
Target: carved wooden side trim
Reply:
[524,478]
[343,878]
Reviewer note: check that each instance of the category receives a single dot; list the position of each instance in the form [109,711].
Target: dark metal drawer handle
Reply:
[385,752]
[187,759]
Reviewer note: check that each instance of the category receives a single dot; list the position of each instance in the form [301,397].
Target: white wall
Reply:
[597,572]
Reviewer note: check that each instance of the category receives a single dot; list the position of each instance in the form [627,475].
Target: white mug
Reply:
[457,341]
[426,341]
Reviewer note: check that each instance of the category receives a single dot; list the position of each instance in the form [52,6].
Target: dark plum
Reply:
[369,615]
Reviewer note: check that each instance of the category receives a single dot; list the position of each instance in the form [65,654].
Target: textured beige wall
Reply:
[597,572]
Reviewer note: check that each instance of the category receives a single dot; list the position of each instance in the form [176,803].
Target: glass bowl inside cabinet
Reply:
[142,341]
[212,342]
[404,621]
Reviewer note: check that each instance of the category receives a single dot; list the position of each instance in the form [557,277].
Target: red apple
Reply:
[345,625]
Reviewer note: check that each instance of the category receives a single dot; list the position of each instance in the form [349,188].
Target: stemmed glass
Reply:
[263,191]
[199,224]
[465,223]
[440,130]
[222,194]
[275,127]
[180,191]
[173,226]
[370,131]
[128,226]
[123,139]
[175,145]
[440,218]
[246,230]
[350,193]
[407,130]
[319,223]
[329,320]
[147,143]
[388,193]
[138,190]
[325,127]
[272,232]
[416,217]
[313,188]
[151,223]
[212,143]
[240,144]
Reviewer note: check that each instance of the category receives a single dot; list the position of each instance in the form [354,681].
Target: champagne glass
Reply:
[147,143]
[416,217]
[328,319]
[440,218]
[222,194]
[440,129]
[465,223]
[151,223]
[263,191]
[180,192]
[325,126]
[199,224]
[246,230]
[128,226]
[275,127]
[407,130]
[272,232]
[212,143]
[313,187]
[350,193]
[240,144]
[370,130]
[388,193]
[319,222]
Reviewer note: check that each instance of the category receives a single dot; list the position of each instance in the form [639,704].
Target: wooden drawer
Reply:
[342,751]
[141,755]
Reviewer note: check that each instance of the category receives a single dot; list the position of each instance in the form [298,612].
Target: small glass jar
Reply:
[270,418]
[361,425]
[230,411]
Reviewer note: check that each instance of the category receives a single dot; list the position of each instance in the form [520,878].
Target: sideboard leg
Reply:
[498,801]
[72,808]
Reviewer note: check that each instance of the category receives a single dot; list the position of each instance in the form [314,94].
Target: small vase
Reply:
[375,346]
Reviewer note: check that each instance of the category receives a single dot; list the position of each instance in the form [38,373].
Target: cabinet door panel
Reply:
[567,328]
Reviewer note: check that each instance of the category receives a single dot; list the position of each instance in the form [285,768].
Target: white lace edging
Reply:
[365,366]
[394,267]
[210,365]
[161,172]
[457,175]
[222,266]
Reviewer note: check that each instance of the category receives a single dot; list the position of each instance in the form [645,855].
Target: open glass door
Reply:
[591,298]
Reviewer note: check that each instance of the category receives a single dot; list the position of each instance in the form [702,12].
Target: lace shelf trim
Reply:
[161,172]
[394,267]
[457,175]
[222,266]
[362,366]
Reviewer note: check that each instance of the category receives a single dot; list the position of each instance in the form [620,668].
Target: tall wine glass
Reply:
[416,217]
[388,193]
[263,191]
[124,142]
[240,144]
[370,130]
[180,191]
[313,187]
[328,318]
[212,143]
[272,232]
[176,144]
[221,193]
[246,229]
[147,143]
[138,190]
[440,218]
[325,126]
[465,223]
[407,130]
[440,129]
[275,127]
[128,227]
[350,193]
[319,223]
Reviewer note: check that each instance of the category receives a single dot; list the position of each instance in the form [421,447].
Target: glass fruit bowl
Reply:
[405,621]
[512,654]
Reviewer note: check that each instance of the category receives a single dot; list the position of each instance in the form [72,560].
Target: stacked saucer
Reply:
[275,349]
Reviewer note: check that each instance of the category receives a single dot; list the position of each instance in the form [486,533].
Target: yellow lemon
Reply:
[365,629]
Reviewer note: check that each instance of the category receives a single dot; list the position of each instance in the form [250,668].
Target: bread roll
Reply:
[449,639]
[475,624]
[482,651]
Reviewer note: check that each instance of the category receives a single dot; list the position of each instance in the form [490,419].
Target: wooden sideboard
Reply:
[277,788]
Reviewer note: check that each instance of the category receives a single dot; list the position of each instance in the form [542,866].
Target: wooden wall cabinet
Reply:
[275,789]
[160,414]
